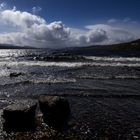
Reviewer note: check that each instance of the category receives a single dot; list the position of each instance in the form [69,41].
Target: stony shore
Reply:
[91,118]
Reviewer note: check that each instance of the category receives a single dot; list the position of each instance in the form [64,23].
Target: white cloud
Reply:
[2,5]
[21,19]
[104,34]
[112,20]
[126,20]
[31,30]
[36,9]
[34,30]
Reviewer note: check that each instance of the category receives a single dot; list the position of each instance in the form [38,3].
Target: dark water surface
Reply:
[41,71]
[29,73]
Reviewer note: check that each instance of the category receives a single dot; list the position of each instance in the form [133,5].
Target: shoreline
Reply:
[92,118]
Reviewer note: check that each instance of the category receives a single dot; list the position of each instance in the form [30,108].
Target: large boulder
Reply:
[56,110]
[20,116]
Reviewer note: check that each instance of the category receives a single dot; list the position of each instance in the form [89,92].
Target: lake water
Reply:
[28,73]
[95,87]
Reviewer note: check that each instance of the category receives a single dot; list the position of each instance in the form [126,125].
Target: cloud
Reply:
[2,5]
[112,20]
[31,30]
[127,19]
[102,34]
[124,21]
[127,24]
[36,9]
[20,19]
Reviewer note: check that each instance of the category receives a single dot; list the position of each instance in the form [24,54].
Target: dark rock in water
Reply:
[56,110]
[20,116]
[16,74]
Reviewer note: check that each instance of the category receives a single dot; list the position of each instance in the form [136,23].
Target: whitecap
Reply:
[121,59]
[68,64]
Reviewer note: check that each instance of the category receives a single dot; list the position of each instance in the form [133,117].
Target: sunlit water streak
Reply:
[69,64]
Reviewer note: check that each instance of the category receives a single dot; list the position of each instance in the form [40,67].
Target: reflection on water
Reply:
[39,71]
[12,53]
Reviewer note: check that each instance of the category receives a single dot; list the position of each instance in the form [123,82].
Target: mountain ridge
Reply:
[123,49]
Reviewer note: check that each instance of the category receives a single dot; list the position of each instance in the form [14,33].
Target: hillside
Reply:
[9,46]
[123,49]
[130,49]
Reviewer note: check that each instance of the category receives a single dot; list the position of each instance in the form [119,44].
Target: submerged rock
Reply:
[19,116]
[56,110]
[16,74]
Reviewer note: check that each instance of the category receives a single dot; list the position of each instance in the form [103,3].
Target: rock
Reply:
[19,116]
[16,74]
[56,110]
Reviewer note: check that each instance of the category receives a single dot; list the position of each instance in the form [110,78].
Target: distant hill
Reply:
[123,49]
[9,46]
[130,49]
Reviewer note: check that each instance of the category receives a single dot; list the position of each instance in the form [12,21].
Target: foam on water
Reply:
[121,59]
[4,73]
[52,81]
[108,77]
[69,64]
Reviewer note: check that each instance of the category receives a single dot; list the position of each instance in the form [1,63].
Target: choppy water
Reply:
[53,72]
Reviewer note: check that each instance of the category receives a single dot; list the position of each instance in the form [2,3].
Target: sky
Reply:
[66,23]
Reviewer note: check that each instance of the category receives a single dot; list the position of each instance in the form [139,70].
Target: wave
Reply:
[52,81]
[68,64]
[4,73]
[109,78]
[115,59]
[40,81]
